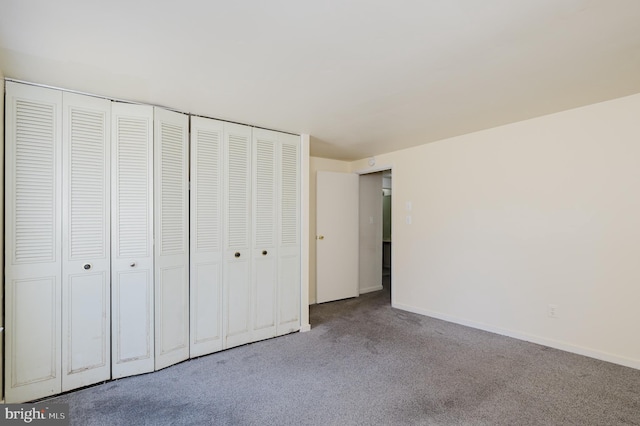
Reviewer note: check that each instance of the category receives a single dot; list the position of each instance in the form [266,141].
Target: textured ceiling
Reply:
[362,77]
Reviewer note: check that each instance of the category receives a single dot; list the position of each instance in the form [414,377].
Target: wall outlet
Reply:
[552,311]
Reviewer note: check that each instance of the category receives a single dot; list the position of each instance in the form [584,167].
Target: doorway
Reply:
[386,230]
[374,232]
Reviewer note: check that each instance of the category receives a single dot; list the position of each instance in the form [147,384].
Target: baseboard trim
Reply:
[370,289]
[563,346]
[305,328]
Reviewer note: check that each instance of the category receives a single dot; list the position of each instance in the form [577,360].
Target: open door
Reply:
[337,236]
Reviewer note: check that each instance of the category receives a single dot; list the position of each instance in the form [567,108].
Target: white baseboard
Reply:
[305,327]
[370,289]
[563,346]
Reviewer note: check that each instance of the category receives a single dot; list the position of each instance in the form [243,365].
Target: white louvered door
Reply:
[237,253]
[33,242]
[206,300]
[86,265]
[172,237]
[289,278]
[132,240]
[264,250]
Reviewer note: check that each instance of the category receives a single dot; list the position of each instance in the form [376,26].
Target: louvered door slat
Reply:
[264,194]
[172,253]
[133,201]
[173,192]
[208,176]
[35,169]
[206,236]
[32,242]
[132,239]
[238,191]
[86,247]
[290,197]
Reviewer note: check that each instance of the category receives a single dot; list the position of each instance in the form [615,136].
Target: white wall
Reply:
[370,232]
[509,220]
[318,164]
[2,232]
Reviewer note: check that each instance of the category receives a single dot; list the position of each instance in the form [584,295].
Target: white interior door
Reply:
[172,237]
[33,242]
[264,251]
[86,266]
[206,236]
[237,253]
[336,236]
[132,240]
[289,235]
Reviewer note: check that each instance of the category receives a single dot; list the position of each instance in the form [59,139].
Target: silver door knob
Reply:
[86,266]
[132,264]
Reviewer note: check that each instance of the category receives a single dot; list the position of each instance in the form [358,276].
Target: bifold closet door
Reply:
[206,236]
[172,237]
[132,240]
[237,241]
[86,266]
[264,277]
[289,234]
[33,180]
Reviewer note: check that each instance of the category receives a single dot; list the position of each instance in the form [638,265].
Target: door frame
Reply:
[376,169]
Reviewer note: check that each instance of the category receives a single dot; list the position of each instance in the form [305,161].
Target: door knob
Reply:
[86,266]
[321,237]
[132,264]
[264,252]
[237,254]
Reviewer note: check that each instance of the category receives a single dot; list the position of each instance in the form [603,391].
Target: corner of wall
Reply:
[2,232]
[305,233]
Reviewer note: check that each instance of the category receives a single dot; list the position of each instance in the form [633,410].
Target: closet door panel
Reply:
[237,254]
[289,235]
[132,240]
[133,325]
[206,298]
[264,250]
[206,308]
[264,296]
[32,242]
[85,245]
[238,300]
[289,294]
[172,236]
